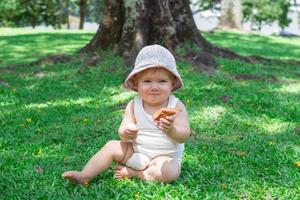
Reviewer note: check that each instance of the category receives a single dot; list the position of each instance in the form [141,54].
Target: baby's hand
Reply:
[131,131]
[166,125]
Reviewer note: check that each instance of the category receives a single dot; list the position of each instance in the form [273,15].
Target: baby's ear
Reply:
[135,87]
[135,83]
[174,80]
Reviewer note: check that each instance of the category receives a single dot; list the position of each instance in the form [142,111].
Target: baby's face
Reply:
[154,85]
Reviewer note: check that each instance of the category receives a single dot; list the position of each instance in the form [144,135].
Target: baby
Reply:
[150,149]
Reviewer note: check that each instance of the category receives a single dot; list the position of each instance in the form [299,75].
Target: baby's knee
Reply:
[111,144]
[170,171]
[164,170]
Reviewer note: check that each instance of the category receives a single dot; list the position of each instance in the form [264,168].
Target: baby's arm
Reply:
[127,129]
[177,126]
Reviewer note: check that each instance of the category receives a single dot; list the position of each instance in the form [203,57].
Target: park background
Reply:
[59,106]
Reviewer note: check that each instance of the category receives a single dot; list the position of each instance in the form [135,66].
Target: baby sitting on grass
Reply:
[150,149]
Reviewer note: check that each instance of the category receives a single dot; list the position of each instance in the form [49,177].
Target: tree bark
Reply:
[82,12]
[127,26]
[231,14]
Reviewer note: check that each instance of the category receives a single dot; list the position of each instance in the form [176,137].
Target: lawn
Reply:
[22,45]
[245,120]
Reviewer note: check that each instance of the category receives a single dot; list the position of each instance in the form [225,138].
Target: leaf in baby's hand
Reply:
[38,169]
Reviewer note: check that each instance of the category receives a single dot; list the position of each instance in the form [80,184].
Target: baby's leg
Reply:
[113,150]
[162,168]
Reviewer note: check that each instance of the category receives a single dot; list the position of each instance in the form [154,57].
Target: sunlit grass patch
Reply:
[26,45]
[248,44]
[271,126]
[292,88]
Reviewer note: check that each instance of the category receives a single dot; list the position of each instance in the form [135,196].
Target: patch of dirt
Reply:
[112,69]
[225,98]
[88,63]
[53,59]
[204,62]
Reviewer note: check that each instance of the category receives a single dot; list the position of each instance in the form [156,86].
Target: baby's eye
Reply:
[146,81]
[162,81]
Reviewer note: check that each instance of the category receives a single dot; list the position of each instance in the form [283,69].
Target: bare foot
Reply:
[76,177]
[122,172]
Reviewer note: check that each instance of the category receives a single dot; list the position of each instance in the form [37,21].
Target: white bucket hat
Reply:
[154,56]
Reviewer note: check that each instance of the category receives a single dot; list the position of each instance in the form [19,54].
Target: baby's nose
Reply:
[154,86]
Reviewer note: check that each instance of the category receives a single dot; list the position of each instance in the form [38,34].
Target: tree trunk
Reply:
[231,14]
[82,12]
[127,26]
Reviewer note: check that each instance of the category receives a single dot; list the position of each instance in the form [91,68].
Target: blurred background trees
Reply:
[231,14]
[55,13]
[258,12]
[18,13]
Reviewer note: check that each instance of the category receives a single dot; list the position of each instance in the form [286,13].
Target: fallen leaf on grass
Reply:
[224,186]
[297,164]
[242,153]
[86,184]
[38,169]
[271,143]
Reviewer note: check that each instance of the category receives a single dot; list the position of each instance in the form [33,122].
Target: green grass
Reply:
[246,135]
[267,46]
[24,45]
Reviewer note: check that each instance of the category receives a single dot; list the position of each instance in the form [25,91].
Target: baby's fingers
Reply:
[131,135]
[166,122]
[170,118]
[164,127]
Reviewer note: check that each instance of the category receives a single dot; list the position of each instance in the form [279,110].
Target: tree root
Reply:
[90,60]
[88,63]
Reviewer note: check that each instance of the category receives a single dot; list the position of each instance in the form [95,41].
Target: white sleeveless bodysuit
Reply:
[151,141]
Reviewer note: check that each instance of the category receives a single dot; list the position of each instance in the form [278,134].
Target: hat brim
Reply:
[129,80]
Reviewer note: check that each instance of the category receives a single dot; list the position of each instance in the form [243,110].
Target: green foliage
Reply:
[95,10]
[206,5]
[33,12]
[48,12]
[257,11]
[245,140]
[266,11]
[284,21]
[10,10]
